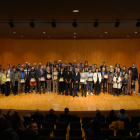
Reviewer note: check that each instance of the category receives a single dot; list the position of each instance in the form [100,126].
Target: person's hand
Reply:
[59,80]
[94,82]
[132,83]
[39,79]
[19,82]
[76,81]
[99,82]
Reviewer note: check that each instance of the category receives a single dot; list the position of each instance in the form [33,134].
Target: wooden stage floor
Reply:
[48,101]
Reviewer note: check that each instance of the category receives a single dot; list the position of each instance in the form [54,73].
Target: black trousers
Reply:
[68,86]
[61,87]
[2,88]
[27,85]
[41,83]
[103,83]
[75,87]
[15,88]
[117,91]
[97,88]
[84,89]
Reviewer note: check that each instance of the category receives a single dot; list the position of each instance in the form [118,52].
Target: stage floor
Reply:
[47,101]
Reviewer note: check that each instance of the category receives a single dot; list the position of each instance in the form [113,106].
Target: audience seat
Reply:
[107,133]
[60,133]
[57,138]
[75,125]
[44,132]
[104,125]
[130,138]
[135,119]
[114,138]
[76,138]
[123,132]
[61,125]
[75,133]
[135,131]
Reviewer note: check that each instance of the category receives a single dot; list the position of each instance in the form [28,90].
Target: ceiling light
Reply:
[11,23]
[22,36]
[53,24]
[75,33]
[135,32]
[101,36]
[127,36]
[75,11]
[48,36]
[117,23]
[138,23]
[32,24]
[14,32]
[95,23]
[44,32]
[74,24]
[74,36]
[105,32]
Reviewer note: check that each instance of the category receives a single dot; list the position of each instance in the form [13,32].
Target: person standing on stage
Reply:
[33,79]
[21,76]
[61,81]
[76,80]
[41,79]
[14,81]
[83,75]
[124,82]
[27,82]
[68,82]
[103,72]
[103,66]
[90,81]
[48,79]
[97,81]
[134,73]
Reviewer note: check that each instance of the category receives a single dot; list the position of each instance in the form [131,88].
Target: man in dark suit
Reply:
[40,77]
[76,80]
[103,72]
[103,66]
[98,117]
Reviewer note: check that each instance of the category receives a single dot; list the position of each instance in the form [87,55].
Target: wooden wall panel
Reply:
[124,51]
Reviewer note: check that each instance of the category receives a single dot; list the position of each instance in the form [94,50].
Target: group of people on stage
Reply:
[65,76]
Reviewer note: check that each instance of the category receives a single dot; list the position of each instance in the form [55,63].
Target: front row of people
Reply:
[61,80]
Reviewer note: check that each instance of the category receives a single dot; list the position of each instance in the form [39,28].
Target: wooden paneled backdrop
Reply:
[124,51]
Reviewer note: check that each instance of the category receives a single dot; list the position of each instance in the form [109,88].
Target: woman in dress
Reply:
[110,81]
[48,79]
[61,81]
[130,83]
[55,80]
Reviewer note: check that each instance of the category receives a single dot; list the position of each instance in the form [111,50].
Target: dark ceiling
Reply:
[44,11]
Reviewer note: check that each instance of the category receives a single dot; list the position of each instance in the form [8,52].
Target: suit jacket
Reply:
[39,74]
[76,77]
[19,76]
[102,73]
[10,70]
[95,77]
[13,77]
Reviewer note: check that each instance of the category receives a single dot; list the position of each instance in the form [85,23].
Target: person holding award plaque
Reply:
[68,84]
[48,79]
[104,78]
[83,81]
[76,80]
[110,81]
[97,81]
[32,78]
[55,80]
[21,80]
[90,81]
[41,79]
[61,81]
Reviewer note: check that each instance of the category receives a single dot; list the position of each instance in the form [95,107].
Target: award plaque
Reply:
[42,79]
[22,81]
[55,77]
[48,76]
[8,79]
[106,76]
[61,79]
[32,80]
[82,80]
[89,79]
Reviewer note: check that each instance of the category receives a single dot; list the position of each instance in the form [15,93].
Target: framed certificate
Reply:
[22,81]
[61,79]
[32,80]
[89,79]
[82,80]
[55,77]
[48,76]
[8,79]
[42,79]
[106,76]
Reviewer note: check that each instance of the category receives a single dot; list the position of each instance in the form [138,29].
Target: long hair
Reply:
[130,72]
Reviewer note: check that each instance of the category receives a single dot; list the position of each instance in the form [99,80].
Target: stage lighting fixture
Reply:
[11,23]
[95,24]
[138,23]
[74,24]
[53,24]
[32,24]
[117,23]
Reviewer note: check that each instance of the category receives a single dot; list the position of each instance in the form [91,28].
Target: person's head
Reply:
[66,63]
[111,70]
[116,74]
[51,111]
[97,70]
[62,69]
[118,69]
[16,122]
[59,61]
[36,112]
[55,62]
[98,112]
[118,65]
[86,62]
[19,66]
[66,110]
[48,68]
[21,69]
[8,66]
[122,111]
[80,61]
[14,69]
[48,64]
[89,70]
[54,69]
[50,61]
[74,61]
[27,65]
[33,68]
[3,124]
[133,64]
[5,72]
[111,113]
[83,70]
[103,69]
[95,65]
[63,65]
[78,66]
[68,69]
[82,65]
[57,66]
[129,72]
[76,70]
[104,64]
[42,67]
[93,69]
[33,127]
[74,65]
[2,70]
[89,64]
[124,68]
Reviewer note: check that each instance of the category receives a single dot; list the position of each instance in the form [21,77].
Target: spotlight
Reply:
[11,23]
[117,23]
[53,24]
[95,23]
[32,24]
[74,24]
[138,23]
